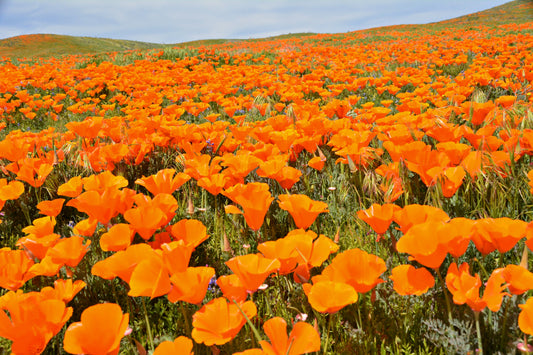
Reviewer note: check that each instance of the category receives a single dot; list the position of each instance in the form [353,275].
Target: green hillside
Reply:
[50,45]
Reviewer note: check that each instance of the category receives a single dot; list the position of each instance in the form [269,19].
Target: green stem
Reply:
[478,330]
[185,319]
[448,307]
[148,328]
[252,326]
[330,321]
[504,324]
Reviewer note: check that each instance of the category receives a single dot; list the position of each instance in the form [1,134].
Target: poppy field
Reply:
[368,192]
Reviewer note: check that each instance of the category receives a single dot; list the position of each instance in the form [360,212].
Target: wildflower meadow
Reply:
[366,192]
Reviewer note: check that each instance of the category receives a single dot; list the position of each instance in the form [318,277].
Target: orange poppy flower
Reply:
[503,233]
[409,280]
[356,268]
[525,318]
[163,181]
[190,285]
[302,339]
[10,190]
[34,318]
[180,346]
[519,278]
[214,184]
[465,288]
[425,244]
[451,179]
[100,330]
[303,210]
[232,287]
[149,278]
[34,171]
[253,269]
[39,237]
[118,237]
[66,289]
[299,251]
[255,200]
[145,220]
[379,217]
[456,234]
[163,201]
[330,296]
[85,227]
[14,268]
[101,206]
[122,263]
[69,251]
[51,208]
[191,231]
[176,256]
[416,214]
[103,181]
[46,267]
[239,165]
[316,163]
[277,169]
[218,321]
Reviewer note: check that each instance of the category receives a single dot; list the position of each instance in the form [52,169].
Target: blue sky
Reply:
[167,21]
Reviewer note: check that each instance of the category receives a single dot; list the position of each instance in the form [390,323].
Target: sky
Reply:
[175,21]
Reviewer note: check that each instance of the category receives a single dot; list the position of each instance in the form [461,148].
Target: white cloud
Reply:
[168,21]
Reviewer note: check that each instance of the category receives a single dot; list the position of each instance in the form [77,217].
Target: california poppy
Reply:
[34,318]
[149,278]
[69,251]
[191,231]
[379,217]
[176,255]
[255,200]
[316,163]
[302,339]
[409,280]
[232,287]
[299,251]
[328,296]
[302,209]
[519,279]
[118,237]
[465,288]
[163,181]
[10,190]
[214,184]
[190,285]
[425,244]
[525,318]
[14,268]
[414,214]
[253,269]
[502,233]
[218,321]
[122,263]
[100,330]
[51,208]
[356,268]
[66,289]
[180,346]
[145,220]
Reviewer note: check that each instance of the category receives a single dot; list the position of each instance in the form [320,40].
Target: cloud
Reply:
[169,21]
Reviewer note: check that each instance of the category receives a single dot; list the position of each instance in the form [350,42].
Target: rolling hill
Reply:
[51,45]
